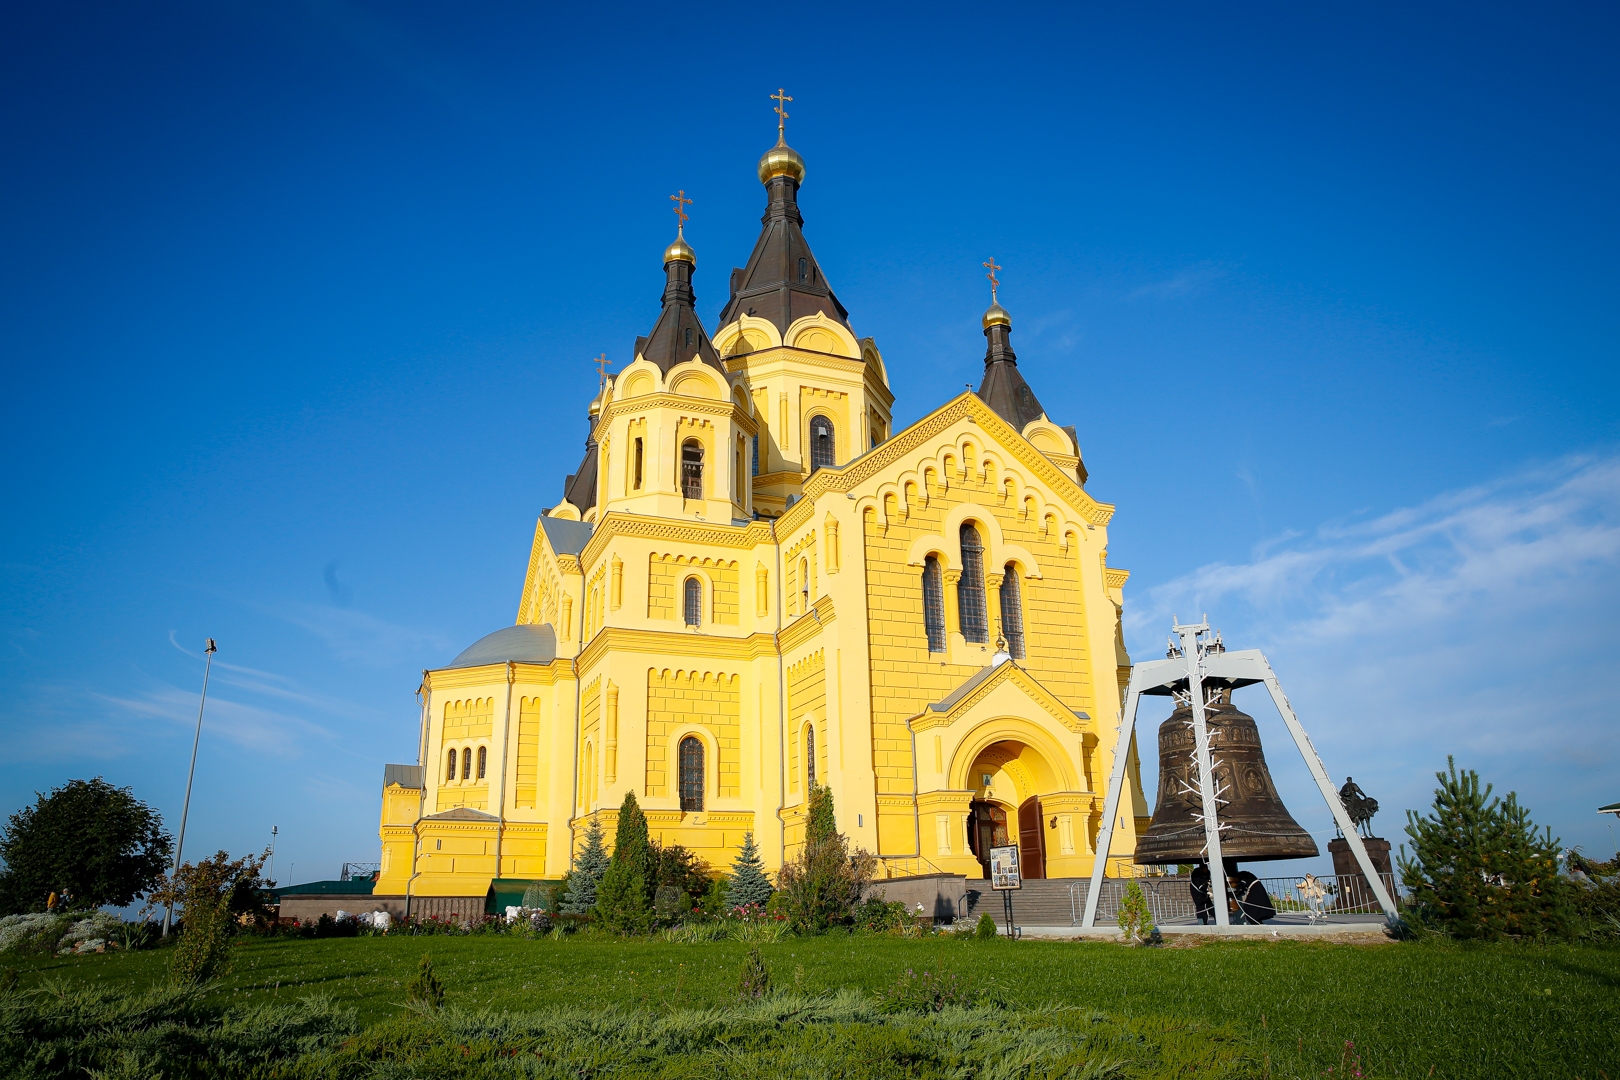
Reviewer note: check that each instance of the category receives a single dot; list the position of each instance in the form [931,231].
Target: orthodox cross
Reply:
[602,364]
[992,276]
[681,202]
[781,98]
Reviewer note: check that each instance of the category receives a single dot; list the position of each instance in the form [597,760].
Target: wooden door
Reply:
[1031,839]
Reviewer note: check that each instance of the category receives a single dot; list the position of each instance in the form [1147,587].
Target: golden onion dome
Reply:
[781,160]
[996,315]
[680,251]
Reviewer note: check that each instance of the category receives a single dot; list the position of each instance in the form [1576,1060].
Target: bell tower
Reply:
[819,394]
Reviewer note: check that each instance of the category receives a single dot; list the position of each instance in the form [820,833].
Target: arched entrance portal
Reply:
[1008,779]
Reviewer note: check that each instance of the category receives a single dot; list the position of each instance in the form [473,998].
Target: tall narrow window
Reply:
[692,602]
[483,761]
[451,774]
[691,773]
[692,469]
[822,449]
[688,337]
[804,585]
[738,484]
[1012,612]
[970,590]
[635,475]
[466,763]
[755,441]
[933,586]
[810,754]
[804,269]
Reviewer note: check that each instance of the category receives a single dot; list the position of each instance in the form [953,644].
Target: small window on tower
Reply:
[483,761]
[804,269]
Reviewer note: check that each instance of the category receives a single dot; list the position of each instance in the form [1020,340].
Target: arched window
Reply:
[483,761]
[933,586]
[810,754]
[1012,612]
[804,269]
[692,602]
[970,590]
[688,337]
[466,763]
[822,449]
[691,773]
[692,469]
[738,473]
[804,586]
[635,482]
[588,780]
[451,773]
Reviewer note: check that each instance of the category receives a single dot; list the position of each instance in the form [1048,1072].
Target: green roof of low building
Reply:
[352,887]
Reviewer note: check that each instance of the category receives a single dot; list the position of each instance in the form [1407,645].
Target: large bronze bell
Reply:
[1258,824]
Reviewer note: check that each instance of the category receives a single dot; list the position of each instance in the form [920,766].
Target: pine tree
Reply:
[586,877]
[748,884]
[822,826]
[1479,868]
[624,898]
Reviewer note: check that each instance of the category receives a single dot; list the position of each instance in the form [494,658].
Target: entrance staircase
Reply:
[1041,902]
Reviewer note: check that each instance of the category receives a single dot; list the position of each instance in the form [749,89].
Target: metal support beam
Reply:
[1192,651]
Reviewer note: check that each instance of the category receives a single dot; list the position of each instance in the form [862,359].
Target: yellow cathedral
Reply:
[753,584]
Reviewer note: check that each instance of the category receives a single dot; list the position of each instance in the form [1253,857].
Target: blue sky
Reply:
[298,305]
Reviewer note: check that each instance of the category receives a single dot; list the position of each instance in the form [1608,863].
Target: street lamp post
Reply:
[168,914]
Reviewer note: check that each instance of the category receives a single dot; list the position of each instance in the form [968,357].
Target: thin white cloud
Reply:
[356,636]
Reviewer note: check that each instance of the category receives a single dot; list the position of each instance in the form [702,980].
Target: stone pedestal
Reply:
[1353,889]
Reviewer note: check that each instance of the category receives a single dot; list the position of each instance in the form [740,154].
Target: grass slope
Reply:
[1462,1011]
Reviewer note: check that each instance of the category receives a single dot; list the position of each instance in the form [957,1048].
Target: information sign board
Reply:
[1004,868]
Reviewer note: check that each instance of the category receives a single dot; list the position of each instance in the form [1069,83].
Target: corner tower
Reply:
[818,394]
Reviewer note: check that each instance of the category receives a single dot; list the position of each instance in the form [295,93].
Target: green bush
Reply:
[754,980]
[748,883]
[1480,869]
[822,885]
[1135,918]
[579,895]
[425,988]
[986,930]
[624,899]
[203,951]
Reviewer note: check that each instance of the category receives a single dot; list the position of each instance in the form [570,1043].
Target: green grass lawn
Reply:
[1460,1011]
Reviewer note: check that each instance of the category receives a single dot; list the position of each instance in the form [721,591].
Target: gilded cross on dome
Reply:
[781,98]
[992,276]
[602,364]
[681,202]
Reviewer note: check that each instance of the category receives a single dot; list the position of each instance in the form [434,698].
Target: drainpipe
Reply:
[781,699]
[916,811]
[506,737]
[573,803]
[421,798]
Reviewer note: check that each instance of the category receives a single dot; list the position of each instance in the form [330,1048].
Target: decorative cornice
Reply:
[806,627]
[641,526]
[679,403]
[1115,579]
[613,639]
[457,678]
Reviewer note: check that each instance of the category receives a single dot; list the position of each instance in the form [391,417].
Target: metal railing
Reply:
[1170,898]
[915,866]
[1331,894]
[1167,897]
